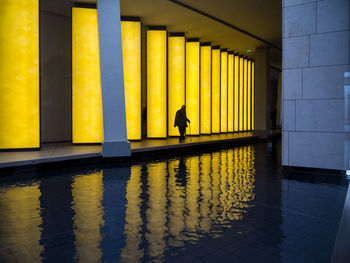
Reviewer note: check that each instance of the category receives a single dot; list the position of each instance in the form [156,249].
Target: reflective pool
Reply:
[229,205]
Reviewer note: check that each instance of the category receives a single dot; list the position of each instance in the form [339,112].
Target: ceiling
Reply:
[261,18]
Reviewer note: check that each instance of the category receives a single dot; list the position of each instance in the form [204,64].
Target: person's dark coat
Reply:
[181,118]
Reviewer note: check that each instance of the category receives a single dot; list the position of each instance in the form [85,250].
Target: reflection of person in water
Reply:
[181,175]
[181,122]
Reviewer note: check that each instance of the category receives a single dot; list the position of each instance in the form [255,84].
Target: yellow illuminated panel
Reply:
[156,83]
[253,95]
[241,127]
[19,74]
[249,94]
[131,45]
[215,92]
[230,96]
[176,80]
[87,120]
[205,89]
[192,86]
[236,96]
[245,92]
[223,97]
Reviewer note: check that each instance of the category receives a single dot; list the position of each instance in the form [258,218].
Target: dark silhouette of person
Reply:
[181,122]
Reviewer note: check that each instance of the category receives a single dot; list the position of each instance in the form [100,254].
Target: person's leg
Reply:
[182,133]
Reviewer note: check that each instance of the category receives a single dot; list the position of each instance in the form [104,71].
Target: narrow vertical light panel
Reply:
[253,95]
[245,95]
[131,45]
[215,90]
[230,92]
[249,95]
[192,85]
[205,86]
[87,119]
[241,127]
[19,74]
[223,91]
[156,82]
[236,96]
[176,78]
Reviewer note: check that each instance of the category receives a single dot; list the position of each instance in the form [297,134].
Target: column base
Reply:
[116,149]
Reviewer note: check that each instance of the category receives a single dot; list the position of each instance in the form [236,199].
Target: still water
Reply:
[230,205]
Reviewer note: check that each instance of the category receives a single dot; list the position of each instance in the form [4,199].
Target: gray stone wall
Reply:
[314,101]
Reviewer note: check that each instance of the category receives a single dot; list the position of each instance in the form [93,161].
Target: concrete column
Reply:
[262,92]
[112,80]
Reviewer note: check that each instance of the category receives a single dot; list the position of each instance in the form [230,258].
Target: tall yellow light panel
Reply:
[215,90]
[19,74]
[87,118]
[156,82]
[236,96]
[253,95]
[223,85]
[131,45]
[205,88]
[230,92]
[192,85]
[176,78]
[241,89]
[249,95]
[245,92]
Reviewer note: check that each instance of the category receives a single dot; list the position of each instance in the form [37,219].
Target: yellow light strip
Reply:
[245,95]
[253,95]
[192,86]
[223,98]
[131,45]
[230,96]
[249,94]
[241,127]
[19,74]
[236,87]
[215,94]
[156,83]
[176,80]
[205,90]
[87,119]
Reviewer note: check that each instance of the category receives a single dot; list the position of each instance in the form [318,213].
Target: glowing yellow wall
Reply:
[19,74]
[253,95]
[223,98]
[87,119]
[249,94]
[205,90]
[131,45]
[215,94]
[176,80]
[241,127]
[156,83]
[192,86]
[236,96]
[245,92]
[230,93]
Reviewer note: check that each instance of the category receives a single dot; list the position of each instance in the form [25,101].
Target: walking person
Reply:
[181,122]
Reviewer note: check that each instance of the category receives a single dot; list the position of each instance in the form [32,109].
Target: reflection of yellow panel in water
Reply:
[21,222]
[131,45]
[215,177]
[192,86]
[19,74]
[223,91]
[215,92]
[205,185]
[134,223]
[87,192]
[156,213]
[87,123]
[156,83]
[236,96]
[205,93]
[230,93]
[176,80]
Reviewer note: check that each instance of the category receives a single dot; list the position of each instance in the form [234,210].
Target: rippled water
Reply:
[163,210]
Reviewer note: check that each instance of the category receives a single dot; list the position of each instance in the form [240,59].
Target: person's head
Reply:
[183,107]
